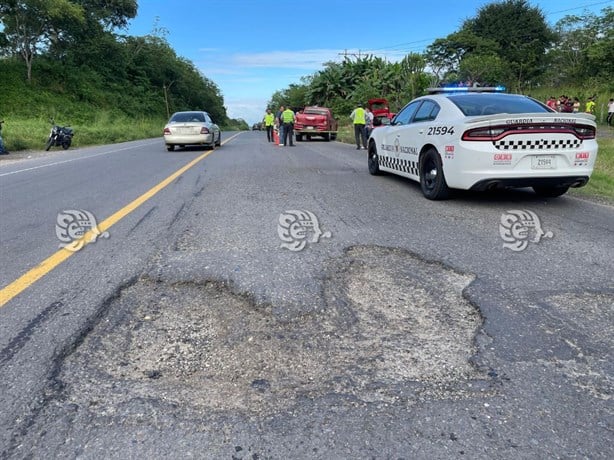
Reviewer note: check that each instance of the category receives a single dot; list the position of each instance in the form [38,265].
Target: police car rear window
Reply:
[491,104]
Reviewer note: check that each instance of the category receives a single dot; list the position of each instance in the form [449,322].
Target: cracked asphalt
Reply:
[410,333]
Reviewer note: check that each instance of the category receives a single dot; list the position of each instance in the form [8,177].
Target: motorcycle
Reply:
[59,135]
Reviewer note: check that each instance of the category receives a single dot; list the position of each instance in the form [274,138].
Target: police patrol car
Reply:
[483,138]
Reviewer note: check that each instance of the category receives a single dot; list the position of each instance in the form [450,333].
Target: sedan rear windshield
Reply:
[187,117]
[491,104]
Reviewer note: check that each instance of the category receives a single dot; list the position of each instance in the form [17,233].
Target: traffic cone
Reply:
[276,137]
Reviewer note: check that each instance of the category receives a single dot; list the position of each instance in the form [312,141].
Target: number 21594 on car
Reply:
[482,139]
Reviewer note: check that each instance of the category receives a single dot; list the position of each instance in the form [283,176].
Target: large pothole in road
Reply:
[393,324]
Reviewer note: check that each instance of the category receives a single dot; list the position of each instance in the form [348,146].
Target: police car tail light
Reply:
[483,134]
[585,132]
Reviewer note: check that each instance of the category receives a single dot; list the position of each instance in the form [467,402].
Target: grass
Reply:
[31,133]
[601,183]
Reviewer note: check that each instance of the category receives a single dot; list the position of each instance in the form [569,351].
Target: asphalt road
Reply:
[274,302]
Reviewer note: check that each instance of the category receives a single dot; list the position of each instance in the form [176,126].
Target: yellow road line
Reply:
[36,273]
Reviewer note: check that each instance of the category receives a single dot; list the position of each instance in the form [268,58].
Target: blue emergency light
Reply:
[467,89]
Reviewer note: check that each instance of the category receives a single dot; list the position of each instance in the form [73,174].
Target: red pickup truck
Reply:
[381,112]
[315,121]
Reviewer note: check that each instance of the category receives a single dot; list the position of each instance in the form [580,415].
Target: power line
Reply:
[578,7]
[395,48]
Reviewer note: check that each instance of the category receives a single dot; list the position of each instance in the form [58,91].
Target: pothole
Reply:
[392,323]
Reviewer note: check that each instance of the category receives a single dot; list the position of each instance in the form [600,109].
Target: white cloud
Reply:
[249,109]
[302,59]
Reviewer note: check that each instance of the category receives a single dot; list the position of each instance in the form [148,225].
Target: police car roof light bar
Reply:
[467,89]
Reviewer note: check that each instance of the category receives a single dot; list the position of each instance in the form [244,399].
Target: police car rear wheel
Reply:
[373,160]
[551,192]
[432,180]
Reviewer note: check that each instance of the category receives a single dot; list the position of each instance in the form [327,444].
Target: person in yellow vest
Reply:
[590,105]
[359,119]
[269,121]
[287,118]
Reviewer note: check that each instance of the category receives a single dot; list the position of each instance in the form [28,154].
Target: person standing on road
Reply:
[358,117]
[3,150]
[287,117]
[269,121]
[368,123]
[280,124]
[610,112]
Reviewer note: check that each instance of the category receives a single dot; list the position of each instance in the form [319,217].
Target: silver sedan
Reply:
[191,128]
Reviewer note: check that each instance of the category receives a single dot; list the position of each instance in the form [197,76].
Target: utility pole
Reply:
[345,54]
[166,88]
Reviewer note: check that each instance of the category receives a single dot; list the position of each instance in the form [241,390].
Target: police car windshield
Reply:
[491,104]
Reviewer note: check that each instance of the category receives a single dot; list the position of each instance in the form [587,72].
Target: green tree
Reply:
[521,35]
[295,95]
[584,51]
[29,25]
[488,69]
[444,55]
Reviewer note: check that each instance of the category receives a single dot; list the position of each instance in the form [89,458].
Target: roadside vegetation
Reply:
[601,183]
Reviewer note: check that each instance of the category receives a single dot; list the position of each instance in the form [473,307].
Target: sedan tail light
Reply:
[204,130]
[167,131]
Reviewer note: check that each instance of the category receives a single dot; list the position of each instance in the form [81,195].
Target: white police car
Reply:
[482,138]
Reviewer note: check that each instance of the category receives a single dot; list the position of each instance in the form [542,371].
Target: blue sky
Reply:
[252,48]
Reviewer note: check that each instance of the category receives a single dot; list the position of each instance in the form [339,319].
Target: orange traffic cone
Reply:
[276,137]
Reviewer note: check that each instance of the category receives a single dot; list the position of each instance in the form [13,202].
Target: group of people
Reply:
[284,119]
[283,122]
[566,104]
